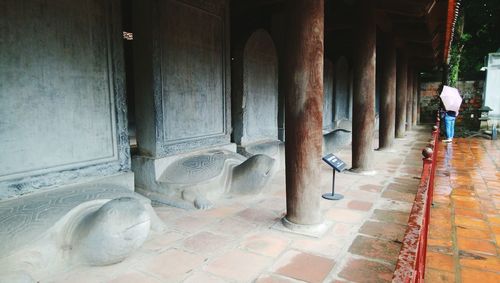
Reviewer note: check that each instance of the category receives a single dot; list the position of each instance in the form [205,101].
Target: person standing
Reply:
[449,122]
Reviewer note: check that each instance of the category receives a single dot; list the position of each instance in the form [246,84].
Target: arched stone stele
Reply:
[259,102]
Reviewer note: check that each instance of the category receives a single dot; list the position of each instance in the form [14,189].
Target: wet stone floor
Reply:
[464,232]
[235,241]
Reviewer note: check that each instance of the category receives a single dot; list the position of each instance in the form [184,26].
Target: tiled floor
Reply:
[235,241]
[464,233]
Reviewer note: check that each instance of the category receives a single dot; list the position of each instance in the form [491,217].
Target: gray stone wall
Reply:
[181,59]
[342,90]
[63,113]
[328,95]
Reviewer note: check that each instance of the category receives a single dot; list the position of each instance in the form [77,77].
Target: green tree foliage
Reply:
[480,35]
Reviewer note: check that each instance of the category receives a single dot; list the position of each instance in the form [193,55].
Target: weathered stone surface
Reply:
[62,101]
[342,91]
[111,233]
[328,99]
[256,113]
[181,78]
[340,137]
[93,225]
[196,180]
[339,133]
[255,98]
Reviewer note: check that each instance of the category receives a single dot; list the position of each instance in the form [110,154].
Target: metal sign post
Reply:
[337,165]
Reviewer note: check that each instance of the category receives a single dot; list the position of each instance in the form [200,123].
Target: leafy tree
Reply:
[477,33]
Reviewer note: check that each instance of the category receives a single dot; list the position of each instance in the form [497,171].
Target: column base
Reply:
[314,230]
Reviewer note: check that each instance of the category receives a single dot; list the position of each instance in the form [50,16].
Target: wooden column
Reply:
[416,87]
[401,78]
[409,99]
[303,111]
[364,86]
[387,59]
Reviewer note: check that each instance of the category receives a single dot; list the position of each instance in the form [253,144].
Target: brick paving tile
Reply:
[480,261]
[342,230]
[474,276]
[134,277]
[440,243]
[274,279]
[471,222]
[474,245]
[474,215]
[161,265]
[359,205]
[376,248]
[395,195]
[440,261]
[265,244]
[403,188]
[463,232]
[388,231]
[469,213]
[200,277]
[438,276]
[366,271]
[303,266]
[371,188]
[192,224]
[161,242]
[234,227]
[394,216]
[205,242]
[345,215]
[260,216]
[238,265]
[439,232]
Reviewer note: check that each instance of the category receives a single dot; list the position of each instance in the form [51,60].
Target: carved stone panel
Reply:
[192,72]
[181,83]
[61,100]
[260,89]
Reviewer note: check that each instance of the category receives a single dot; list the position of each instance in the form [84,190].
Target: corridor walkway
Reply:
[464,232]
[236,241]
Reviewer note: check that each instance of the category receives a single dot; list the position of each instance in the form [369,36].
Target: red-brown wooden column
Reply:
[401,78]
[364,87]
[387,58]
[416,88]
[409,99]
[303,111]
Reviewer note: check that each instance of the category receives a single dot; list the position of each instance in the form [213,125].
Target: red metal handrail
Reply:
[411,261]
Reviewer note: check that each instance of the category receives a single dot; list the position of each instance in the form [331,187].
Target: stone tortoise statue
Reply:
[50,231]
[196,181]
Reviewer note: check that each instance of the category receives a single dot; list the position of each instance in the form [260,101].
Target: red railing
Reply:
[411,261]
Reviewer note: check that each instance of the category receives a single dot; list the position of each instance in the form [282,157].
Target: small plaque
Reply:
[334,162]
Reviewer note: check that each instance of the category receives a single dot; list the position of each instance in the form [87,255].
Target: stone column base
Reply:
[315,230]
